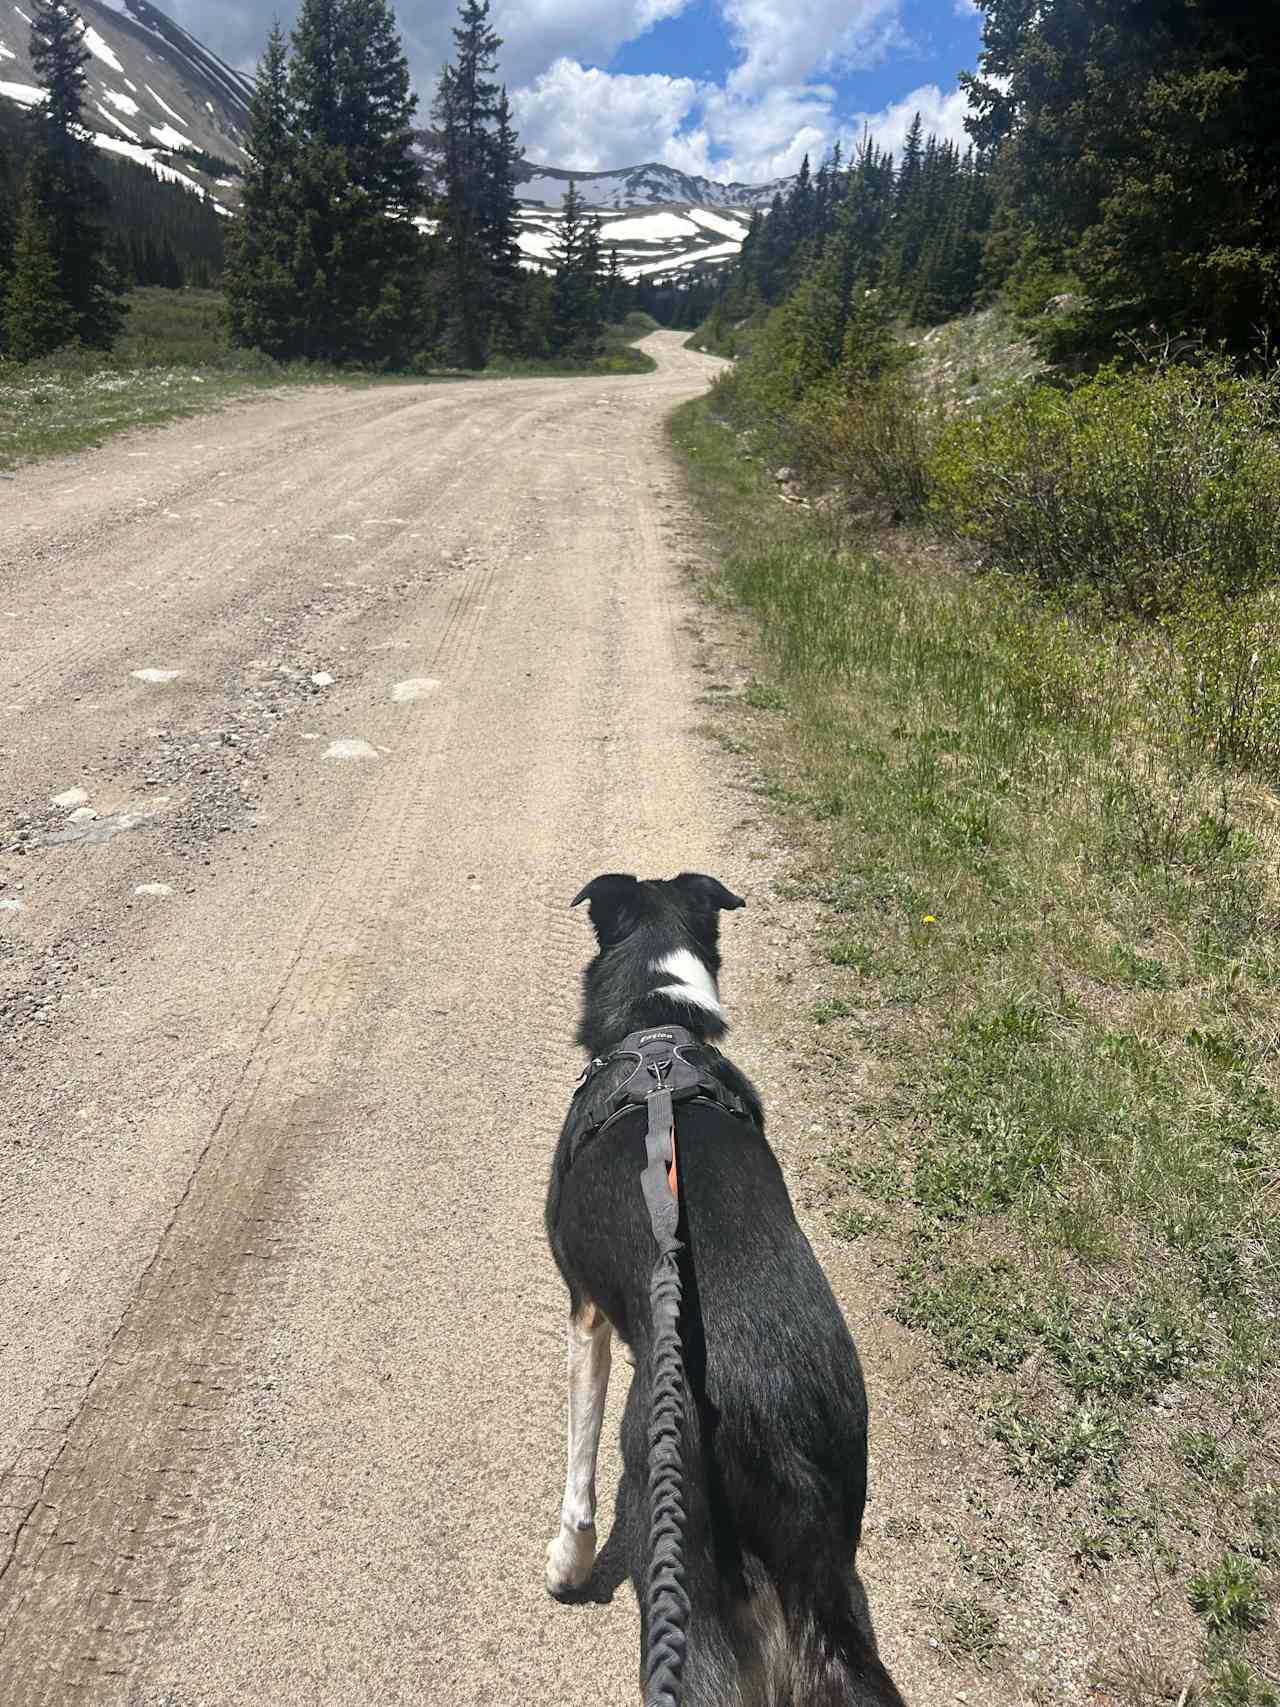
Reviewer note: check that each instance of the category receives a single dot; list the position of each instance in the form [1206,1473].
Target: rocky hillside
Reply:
[156,95]
[651,185]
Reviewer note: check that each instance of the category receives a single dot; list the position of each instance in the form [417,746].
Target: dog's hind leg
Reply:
[572,1554]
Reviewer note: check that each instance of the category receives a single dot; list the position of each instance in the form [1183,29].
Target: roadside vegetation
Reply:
[1050,923]
[174,358]
[1021,723]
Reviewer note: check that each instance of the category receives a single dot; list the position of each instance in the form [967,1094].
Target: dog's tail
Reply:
[815,1650]
[836,1667]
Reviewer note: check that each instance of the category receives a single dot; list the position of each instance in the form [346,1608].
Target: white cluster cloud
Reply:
[942,114]
[538,33]
[582,118]
[782,45]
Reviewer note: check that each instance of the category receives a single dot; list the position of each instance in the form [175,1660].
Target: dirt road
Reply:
[313,716]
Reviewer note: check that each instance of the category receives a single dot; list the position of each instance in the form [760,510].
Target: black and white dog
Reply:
[775,1446]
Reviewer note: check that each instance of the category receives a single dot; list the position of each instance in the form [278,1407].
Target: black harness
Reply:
[661,1076]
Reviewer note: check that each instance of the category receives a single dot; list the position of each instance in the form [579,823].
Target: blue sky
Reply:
[735,89]
[922,44]
[732,88]
[930,42]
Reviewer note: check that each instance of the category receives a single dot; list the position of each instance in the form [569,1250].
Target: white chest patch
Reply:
[693,984]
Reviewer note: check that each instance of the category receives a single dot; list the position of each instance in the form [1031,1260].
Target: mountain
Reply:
[156,95]
[651,185]
[159,97]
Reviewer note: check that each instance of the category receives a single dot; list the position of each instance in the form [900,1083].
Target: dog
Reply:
[775,1429]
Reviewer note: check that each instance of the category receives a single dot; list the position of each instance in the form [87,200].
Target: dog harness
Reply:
[662,1076]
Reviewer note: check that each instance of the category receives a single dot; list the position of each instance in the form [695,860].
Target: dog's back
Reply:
[775,1448]
[776,1426]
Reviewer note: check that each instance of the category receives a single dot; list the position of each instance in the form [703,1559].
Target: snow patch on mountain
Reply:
[716,222]
[654,226]
[124,103]
[23,93]
[99,49]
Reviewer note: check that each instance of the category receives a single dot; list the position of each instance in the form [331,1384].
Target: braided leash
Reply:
[666,1595]
[661,1075]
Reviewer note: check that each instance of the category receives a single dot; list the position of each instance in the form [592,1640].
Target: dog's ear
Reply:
[613,902]
[702,900]
[708,894]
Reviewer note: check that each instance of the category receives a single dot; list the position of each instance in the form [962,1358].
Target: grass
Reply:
[174,359]
[1056,924]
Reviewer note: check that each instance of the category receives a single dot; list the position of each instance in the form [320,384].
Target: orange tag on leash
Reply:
[671,1165]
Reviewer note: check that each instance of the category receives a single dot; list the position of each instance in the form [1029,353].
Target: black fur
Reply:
[776,1433]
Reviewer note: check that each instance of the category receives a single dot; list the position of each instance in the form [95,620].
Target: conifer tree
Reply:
[357,260]
[479,155]
[38,319]
[577,318]
[800,203]
[72,196]
[498,230]
[262,300]
[615,289]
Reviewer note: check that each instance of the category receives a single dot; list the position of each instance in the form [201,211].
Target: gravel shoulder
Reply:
[313,716]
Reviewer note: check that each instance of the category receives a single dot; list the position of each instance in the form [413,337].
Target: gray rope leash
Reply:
[666,1595]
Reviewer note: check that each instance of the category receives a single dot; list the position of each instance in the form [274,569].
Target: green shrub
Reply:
[1144,485]
[1228,679]
[871,439]
[1230,1597]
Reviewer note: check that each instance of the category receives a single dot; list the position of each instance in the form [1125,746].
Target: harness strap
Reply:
[658,1179]
[666,1590]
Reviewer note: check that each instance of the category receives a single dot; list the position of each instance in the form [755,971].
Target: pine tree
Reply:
[800,205]
[771,255]
[499,231]
[577,318]
[356,259]
[73,197]
[262,300]
[615,289]
[313,72]
[480,151]
[38,319]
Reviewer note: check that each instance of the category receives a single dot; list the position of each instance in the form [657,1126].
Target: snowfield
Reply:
[716,222]
[656,227]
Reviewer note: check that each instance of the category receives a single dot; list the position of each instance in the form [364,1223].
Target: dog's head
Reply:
[659,942]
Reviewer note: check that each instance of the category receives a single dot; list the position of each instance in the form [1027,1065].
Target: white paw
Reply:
[569,1560]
